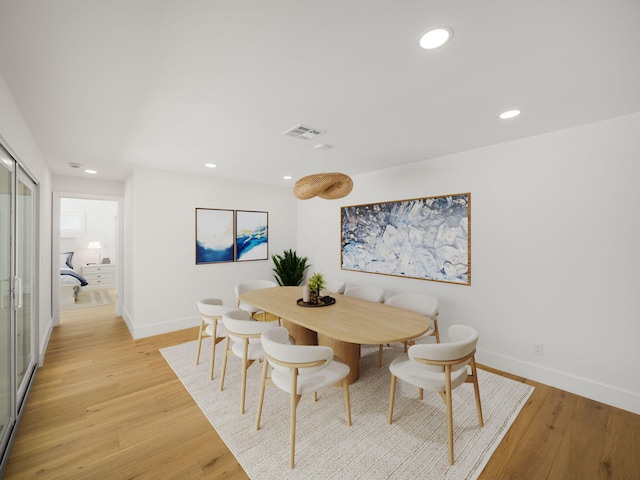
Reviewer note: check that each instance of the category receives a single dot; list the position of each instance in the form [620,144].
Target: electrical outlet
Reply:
[538,348]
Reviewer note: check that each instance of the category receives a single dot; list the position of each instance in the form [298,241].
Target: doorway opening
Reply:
[88,241]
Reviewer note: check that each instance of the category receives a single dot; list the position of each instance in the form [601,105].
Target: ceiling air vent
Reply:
[303,132]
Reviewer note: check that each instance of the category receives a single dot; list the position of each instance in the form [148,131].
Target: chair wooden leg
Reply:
[347,400]
[245,366]
[380,356]
[212,360]
[199,342]
[391,397]
[214,341]
[449,410]
[295,398]
[227,351]
[263,383]
[436,331]
[421,396]
[476,389]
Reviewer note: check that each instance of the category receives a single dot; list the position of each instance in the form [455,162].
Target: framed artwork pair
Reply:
[231,235]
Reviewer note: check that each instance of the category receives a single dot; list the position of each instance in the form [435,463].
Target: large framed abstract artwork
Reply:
[252,235]
[425,238]
[214,235]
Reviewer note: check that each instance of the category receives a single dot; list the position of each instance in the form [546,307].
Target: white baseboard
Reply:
[159,328]
[127,320]
[45,341]
[584,387]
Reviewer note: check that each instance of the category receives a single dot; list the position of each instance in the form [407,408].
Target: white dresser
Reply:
[100,275]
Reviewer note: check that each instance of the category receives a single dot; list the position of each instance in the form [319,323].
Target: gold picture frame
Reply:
[425,238]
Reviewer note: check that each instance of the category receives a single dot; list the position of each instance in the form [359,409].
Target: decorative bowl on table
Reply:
[322,302]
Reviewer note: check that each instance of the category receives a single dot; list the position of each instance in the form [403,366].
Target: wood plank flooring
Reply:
[105,406]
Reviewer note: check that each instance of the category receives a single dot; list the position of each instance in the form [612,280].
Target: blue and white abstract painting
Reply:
[214,235]
[252,235]
[425,238]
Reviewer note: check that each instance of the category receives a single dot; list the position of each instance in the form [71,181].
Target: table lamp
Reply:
[95,246]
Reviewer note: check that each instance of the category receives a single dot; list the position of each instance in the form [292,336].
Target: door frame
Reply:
[55,247]
[22,176]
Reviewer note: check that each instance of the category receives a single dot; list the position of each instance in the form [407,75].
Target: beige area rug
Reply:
[413,447]
[90,298]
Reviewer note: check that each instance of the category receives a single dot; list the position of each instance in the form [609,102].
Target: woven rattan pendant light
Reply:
[329,186]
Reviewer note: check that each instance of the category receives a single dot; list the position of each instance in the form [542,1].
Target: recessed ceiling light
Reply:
[210,165]
[436,38]
[92,172]
[510,114]
[287,177]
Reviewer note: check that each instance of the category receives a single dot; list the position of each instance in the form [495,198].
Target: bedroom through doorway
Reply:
[88,252]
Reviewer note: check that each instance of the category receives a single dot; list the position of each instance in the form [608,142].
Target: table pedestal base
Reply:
[303,336]
[349,353]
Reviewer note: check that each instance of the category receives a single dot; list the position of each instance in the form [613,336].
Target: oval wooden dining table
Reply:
[343,326]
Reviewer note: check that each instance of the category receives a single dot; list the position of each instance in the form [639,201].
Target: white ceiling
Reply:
[175,84]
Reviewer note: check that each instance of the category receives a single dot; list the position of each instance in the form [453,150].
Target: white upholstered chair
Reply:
[243,341]
[298,370]
[418,302]
[247,287]
[366,292]
[441,368]
[211,311]
[334,286]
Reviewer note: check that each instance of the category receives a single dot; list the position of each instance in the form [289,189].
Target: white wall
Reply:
[87,185]
[100,217]
[554,244]
[16,133]
[162,280]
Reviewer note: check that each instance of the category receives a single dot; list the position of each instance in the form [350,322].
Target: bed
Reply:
[70,281]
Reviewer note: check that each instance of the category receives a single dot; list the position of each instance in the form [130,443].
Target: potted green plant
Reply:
[289,268]
[316,283]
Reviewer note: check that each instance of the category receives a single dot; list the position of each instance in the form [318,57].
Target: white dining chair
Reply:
[334,286]
[418,302]
[247,286]
[211,311]
[243,341]
[440,367]
[366,292]
[299,370]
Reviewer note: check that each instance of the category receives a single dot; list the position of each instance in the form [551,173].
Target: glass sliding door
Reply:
[7,411]
[18,295]
[25,301]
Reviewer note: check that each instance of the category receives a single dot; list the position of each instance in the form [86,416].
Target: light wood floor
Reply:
[105,406]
